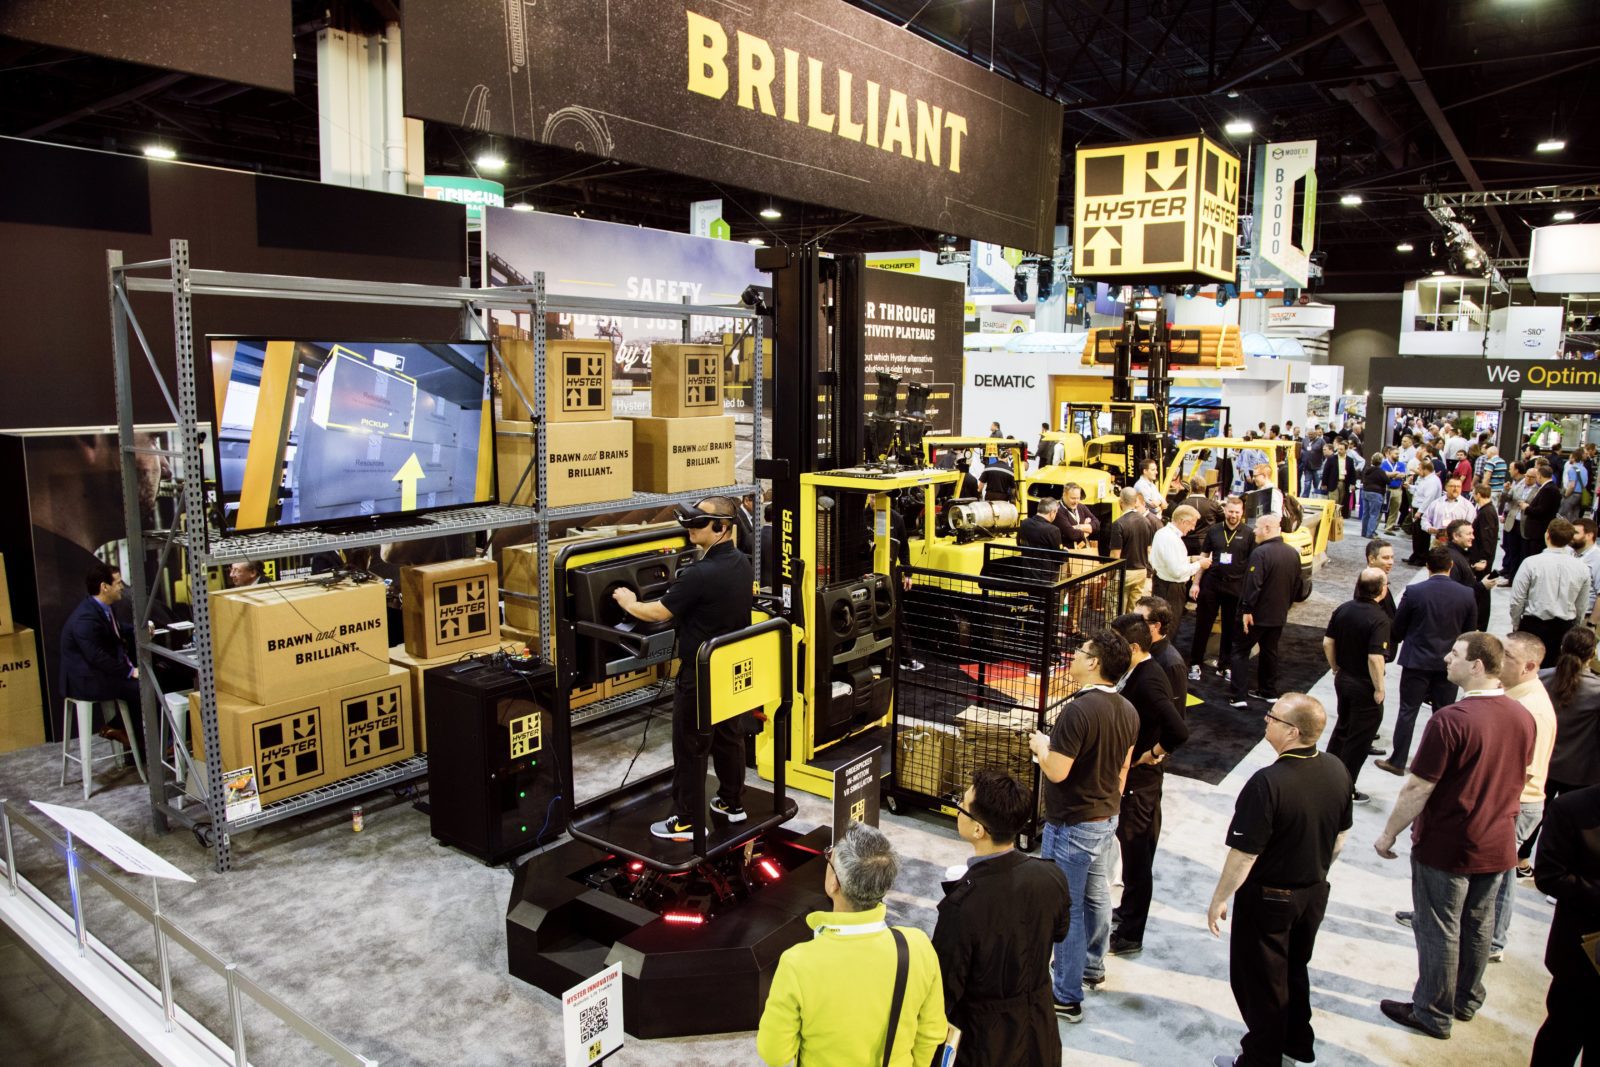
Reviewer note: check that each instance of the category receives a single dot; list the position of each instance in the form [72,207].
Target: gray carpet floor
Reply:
[397,945]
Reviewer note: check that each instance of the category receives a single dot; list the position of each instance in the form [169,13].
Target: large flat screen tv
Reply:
[341,432]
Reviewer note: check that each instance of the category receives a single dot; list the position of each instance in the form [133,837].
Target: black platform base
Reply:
[705,971]
[620,821]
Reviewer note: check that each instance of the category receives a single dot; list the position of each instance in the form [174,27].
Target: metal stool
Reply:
[85,715]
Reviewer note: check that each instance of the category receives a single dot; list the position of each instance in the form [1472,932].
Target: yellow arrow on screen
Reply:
[408,475]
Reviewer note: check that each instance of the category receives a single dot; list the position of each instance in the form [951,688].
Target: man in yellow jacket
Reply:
[831,997]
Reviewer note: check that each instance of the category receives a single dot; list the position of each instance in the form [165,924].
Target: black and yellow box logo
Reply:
[527,734]
[463,610]
[744,675]
[371,726]
[289,748]
[583,383]
[702,381]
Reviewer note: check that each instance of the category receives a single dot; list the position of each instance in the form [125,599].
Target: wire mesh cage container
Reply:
[983,660]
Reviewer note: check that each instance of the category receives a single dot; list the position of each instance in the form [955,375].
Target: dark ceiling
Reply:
[1403,97]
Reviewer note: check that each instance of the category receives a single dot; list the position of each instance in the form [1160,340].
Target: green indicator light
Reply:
[523,793]
[524,830]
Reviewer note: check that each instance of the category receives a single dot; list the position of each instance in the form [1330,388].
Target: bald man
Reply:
[1271,587]
[1356,645]
[1130,541]
[1289,823]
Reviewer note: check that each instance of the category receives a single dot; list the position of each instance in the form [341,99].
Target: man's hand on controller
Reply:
[625,596]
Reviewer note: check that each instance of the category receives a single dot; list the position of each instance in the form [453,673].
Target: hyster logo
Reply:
[527,735]
[700,380]
[371,726]
[289,748]
[744,675]
[584,386]
[463,612]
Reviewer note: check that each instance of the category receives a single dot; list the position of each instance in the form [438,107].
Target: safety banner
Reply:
[819,102]
[1156,211]
[1285,203]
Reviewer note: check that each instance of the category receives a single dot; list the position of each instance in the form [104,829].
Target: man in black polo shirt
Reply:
[1161,730]
[1289,823]
[1158,614]
[1229,543]
[1129,541]
[1085,760]
[707,600]
[1039,529]
[1356,645]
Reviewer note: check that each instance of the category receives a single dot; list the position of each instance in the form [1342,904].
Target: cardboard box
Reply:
[417,666]
[291,639]
[19,673]
[7,622]
[371,723]
[676,455]
[928,759]
[996,738]
[287,742]
[685,380]
[577,380]
[627,683]
[590,462]
[450,608]
[581,697]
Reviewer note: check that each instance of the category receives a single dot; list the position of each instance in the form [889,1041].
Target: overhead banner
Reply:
[819,102]
[1156,211]
[1285,214]
[915,326]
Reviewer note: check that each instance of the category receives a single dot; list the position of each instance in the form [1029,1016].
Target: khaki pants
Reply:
[1135,584]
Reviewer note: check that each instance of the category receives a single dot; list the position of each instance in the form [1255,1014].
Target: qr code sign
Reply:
[592,1022]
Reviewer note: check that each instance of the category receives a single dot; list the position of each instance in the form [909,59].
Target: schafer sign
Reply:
[819,102]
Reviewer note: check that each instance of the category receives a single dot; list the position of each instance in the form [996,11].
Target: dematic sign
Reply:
[819,102]
[1159,211]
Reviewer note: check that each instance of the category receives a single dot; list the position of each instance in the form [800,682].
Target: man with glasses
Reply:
[1463,795]
[1289,823]
[95,654]
[706,600]
[1085,760]
[833,997]
[996,926]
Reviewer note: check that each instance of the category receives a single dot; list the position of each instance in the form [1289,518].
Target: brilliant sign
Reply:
[1157,211]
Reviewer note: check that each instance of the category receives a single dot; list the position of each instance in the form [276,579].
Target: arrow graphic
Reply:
[1165,177]
[574,398]
[409,474]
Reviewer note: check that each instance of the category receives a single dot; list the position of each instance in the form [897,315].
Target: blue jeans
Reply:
[1528,817]
[1083,852]
[1371,505]
[1453,921]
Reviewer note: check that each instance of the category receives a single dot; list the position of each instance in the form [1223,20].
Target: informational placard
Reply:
[1156,211]
[818,102]
[116,846]
[241,797]
[1285,213]
[914,328]
[591,1017]
[855,793]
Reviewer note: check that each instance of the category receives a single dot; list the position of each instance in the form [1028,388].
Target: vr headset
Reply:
[692,518]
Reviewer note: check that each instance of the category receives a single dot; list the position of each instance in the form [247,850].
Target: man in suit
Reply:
[1272,585]
[1039,529]
[95,660]
[1459,538]
[1543,506]
[1568,869]
[1432,615]
[1079,528]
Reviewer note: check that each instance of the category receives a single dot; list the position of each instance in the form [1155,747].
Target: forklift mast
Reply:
[818,421]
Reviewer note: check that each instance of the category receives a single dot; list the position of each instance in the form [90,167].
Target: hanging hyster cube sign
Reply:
[1156,211]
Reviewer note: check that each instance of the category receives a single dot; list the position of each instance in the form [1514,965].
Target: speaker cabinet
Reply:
[494,759]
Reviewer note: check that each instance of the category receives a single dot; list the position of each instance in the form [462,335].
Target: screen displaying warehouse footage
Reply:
[313,432]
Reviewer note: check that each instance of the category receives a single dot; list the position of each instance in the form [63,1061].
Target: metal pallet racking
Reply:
[204,546]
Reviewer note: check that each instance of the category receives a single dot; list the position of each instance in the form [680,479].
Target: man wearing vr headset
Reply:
[706,600]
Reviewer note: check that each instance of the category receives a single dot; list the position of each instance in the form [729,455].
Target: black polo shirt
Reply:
[1131,534]
[1147,690]
[1230,555]
[710,598]
[1096,729]
[1177,671]
[1288,816]
[1359,628]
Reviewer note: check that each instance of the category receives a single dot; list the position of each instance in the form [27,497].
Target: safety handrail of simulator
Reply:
[780,716]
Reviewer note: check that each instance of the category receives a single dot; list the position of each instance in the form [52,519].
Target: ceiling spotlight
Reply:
[1560,216]
[771,212]
[1552,145]
[1350,200]
[491,161]
[522,205]
[1438,274]
[1233,94]
[757,241]
[1239,128]
[156,151]
[1403,246]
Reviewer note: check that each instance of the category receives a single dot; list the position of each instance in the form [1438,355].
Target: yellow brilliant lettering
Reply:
[848,127]
[756,71]
[708,53]
[929,133]
[957,125]
[897,126]
[872,114]
[816,117]
[791,85]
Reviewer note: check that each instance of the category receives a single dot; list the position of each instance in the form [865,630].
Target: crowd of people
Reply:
[1504,782]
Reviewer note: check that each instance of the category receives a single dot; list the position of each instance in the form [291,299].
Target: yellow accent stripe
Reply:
[269,436]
